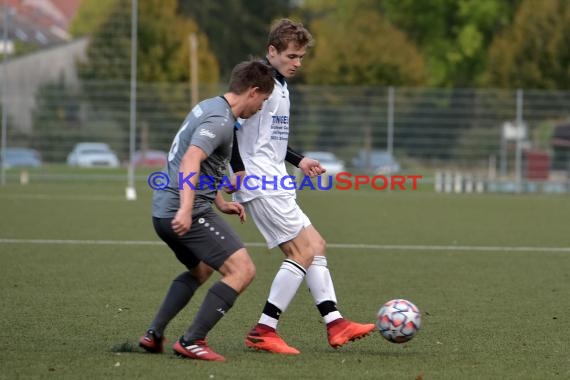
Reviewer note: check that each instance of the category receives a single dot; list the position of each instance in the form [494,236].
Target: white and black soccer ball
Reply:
[398,320]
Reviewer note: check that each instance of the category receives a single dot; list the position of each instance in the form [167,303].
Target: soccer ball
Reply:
[398,320]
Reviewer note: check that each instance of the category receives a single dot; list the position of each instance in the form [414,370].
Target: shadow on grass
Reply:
[126,346]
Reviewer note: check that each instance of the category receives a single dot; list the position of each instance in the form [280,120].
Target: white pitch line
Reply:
[79,242]
[380,247]
[43,197]
[451,248]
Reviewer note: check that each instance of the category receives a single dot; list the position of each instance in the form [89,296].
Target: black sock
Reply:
[326,307]
[179,294]
[219,299]
[271,310]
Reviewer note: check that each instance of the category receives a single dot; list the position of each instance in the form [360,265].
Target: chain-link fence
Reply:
[492,134]
[423,128]
[503,135]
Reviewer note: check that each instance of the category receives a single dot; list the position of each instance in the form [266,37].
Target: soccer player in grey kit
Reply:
[184,219]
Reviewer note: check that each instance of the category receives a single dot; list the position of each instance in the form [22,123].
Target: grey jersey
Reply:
[208,126]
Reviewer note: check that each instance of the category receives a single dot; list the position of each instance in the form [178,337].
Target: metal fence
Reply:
[495,134]
[446,135]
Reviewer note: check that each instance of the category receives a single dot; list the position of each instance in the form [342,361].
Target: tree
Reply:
[354,45]
[236,29]
[162,59]
[357,46]
[535,51]
[58,122]
[163,48]
[454,35]
[90,16]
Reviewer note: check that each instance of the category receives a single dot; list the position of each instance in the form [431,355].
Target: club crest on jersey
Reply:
[207,133]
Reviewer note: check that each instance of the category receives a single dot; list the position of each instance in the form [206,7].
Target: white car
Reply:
[328,161]
[92,154]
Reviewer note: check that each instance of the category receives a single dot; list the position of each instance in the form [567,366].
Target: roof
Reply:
[39,22]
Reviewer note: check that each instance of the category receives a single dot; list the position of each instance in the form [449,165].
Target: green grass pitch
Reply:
[493,293]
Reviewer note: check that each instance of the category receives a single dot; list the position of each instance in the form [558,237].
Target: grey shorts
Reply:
[210,240]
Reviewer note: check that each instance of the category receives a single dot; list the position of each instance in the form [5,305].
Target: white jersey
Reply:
[262,142]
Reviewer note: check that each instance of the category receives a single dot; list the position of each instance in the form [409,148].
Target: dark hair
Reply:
[285,31]
[253,73]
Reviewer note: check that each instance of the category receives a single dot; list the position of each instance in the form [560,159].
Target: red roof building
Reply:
[41,23]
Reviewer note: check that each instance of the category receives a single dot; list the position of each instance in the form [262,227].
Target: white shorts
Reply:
[279,219]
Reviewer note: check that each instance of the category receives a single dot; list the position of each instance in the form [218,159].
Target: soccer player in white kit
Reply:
[269,198]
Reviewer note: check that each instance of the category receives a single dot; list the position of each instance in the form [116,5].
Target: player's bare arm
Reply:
[231,208]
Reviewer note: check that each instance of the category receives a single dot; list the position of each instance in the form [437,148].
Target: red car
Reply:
[150,158]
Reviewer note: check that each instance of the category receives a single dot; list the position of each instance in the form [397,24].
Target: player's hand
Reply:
[181,223]
[233,208]
[310,167]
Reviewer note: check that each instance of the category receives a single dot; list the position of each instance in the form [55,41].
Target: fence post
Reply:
[520,136]
[131,193]
[194,96]
[4,100]
[390,121]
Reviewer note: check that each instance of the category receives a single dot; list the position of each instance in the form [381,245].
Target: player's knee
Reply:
[239,269]
[202,273]
[301,250]
[243,277]
[320,247]
[305,260]
[248,273]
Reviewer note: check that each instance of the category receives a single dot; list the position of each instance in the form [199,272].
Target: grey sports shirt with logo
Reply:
[209,126]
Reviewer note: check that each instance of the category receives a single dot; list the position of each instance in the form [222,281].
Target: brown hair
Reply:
[285,31]
[252,73]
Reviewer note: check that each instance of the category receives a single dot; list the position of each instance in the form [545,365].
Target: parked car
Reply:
[150,158]
[377,161]
[92,154]
[327,160]
[22,157]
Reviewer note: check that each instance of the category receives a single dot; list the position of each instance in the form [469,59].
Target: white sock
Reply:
[321,286]
[283,289]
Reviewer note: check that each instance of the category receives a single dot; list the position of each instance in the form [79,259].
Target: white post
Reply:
[438,181]
[480,186]
[458,182]
[131,193]
[24,177]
